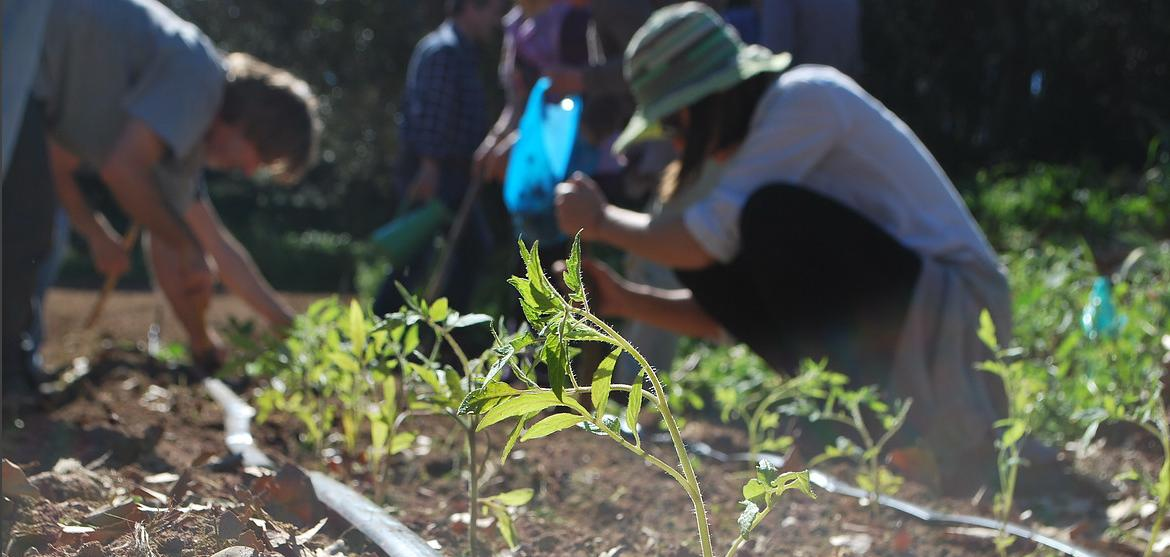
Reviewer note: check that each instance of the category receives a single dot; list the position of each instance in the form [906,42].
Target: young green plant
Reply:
[850,408]
[1024,385]
[443,390]
[560,320]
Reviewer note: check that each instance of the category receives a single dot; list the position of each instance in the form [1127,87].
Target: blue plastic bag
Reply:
[547,151]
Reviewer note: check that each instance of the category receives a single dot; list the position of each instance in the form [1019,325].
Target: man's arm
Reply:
[105,243]
[165,266]
[236,268]
[128,175]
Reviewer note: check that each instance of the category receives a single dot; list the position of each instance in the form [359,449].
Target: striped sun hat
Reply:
[682,54]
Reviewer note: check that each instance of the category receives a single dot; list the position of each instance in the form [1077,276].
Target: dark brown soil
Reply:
[137,459]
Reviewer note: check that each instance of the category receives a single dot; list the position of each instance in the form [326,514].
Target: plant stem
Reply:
[1164,496]
[472,488]
[692,483]
[1007,494]
[871,463]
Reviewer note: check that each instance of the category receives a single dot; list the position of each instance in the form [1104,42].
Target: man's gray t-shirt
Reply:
[107,61]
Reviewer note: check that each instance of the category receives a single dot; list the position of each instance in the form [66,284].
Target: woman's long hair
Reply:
[718,122]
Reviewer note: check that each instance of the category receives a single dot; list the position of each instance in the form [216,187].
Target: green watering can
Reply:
[403,237]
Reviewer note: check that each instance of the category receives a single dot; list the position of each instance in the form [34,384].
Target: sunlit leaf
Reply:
[550,425]
[573,278]
[987,331]
[402,441]
[514,498]
[438,310]
[602,378]
[634,406]
[519,405]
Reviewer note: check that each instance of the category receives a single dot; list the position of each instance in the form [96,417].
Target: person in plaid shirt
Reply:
[442,121]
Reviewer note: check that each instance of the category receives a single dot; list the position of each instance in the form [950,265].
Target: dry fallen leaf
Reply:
[304,537]
[15,483]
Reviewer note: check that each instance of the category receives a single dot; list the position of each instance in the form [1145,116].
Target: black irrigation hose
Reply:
[923,514]
[394,538]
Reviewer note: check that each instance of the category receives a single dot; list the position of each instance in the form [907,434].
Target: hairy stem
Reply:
[692,483]
[472,488]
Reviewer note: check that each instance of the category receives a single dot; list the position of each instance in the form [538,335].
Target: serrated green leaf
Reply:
[766,472]
[754,489]
[522,341]
[602,379]
[514,436]
[504,524]
[550,425]
[987,331]
[573,278]
[634,406]
[557,361]
[530,401]
[487,397]
[501,362]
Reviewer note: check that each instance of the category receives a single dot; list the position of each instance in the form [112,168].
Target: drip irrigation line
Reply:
[390,535]
[923,514]
[399,541]
[237,424]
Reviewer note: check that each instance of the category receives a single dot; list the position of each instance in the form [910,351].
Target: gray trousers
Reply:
[28,205]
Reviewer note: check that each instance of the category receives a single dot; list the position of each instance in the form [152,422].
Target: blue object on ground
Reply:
[1099,318]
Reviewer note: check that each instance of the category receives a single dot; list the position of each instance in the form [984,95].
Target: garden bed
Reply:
[138,429]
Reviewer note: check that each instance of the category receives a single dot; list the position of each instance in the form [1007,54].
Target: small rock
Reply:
[91,549]
[173,546]
[69,480]
[236,551]
[289,496]
[229,526]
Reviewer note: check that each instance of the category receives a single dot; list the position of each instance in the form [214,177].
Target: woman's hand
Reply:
[580,205]
[606,290]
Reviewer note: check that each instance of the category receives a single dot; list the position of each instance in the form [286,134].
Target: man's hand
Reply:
[565,81]
[580,205]
[208,350]
[197,282]
[108,253]
[491,158]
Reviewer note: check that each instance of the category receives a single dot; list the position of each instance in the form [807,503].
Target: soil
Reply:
[135,419]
